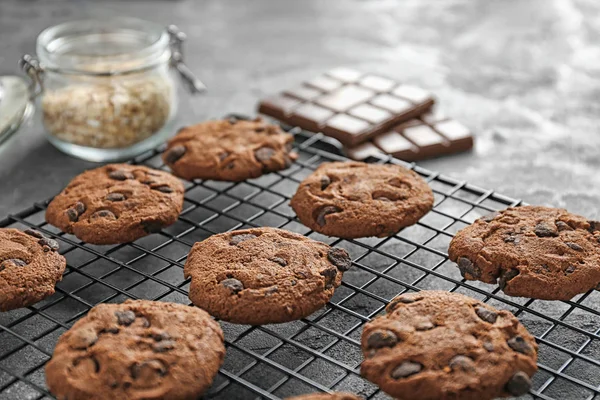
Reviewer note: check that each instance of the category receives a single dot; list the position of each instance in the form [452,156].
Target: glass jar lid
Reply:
[94,47]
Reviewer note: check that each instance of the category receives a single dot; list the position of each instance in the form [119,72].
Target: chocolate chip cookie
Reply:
[229,150]
[440,345]
[137,350]
[531,251]
[30,266]
[355,199]
[263,275]
[326,396]
[117,203]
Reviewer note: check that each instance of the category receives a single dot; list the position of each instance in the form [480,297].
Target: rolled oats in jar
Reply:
[115,114]
[108,90]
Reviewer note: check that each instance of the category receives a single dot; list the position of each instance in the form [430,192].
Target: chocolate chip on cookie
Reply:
[353,199]
[163,188]
[463,363]
[325,211]
[486,314]
[237,239]
[34,233]
[30,267]
[48,243]
[531,251]
[381,338]
[234,285]
[264,154]
[17,262]
[279,261]
[263,275]
[406,369]
[469,343]
[120,174]
[174,153]
[125,318]
[138,349]
[224,151]
[519,384]
[340,258]
[115,204]
[115,197]
[467,267]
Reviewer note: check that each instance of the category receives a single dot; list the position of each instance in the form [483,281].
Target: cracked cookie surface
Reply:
[117,203]
[229,150]
[263,275]
[137,350]
[30,267]
[440,345]
[355,199]
[531,251]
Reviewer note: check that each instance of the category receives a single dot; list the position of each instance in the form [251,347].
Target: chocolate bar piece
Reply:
[428,136]
[348,105]
[363,151]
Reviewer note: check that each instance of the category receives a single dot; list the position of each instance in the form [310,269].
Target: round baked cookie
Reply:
[30,266]
[263,275]
[117,203]
[440,345]
[355,199]
[229,150]
[531,251]
[326,396]
[137,350]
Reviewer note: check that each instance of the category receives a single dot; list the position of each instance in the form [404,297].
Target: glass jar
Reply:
[107,90]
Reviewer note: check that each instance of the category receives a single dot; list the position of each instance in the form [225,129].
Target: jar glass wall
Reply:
[108,89]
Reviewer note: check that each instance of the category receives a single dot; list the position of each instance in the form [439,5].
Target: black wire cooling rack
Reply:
[321,352]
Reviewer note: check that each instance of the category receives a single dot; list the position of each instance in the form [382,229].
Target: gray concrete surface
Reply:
[524,75]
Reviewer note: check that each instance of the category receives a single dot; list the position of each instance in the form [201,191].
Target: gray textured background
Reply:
[522,74]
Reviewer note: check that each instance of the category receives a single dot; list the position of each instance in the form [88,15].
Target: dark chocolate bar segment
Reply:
[364,151]
[394,143]
[429,142]
[345,97]
[459,135]
[348,105]
[310,116]
[342,125]
[429,136]
[279,106]
[412,93]
[303,93]
[392,104]
[374,115]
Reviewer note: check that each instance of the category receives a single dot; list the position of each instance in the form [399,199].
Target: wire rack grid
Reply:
[318,353]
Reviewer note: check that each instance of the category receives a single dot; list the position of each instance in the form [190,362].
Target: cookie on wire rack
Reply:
[117,203]
[30,267]
[229,150]
[356,199]
[263,275]
[531,251]
[137,350]
[440,345]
